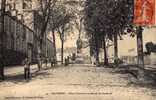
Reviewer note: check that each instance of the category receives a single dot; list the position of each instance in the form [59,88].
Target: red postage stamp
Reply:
[144,12]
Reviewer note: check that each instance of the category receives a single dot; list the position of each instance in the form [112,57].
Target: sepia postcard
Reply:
[77,49]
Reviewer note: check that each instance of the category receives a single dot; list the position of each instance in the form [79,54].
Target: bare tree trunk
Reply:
[105,52]
[39,55]
[140,53]
[54,44]
[2,40]
[62,53]
[42,34]
[97,51]
[116,49]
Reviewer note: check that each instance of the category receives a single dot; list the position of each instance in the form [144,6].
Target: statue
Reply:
[79,45]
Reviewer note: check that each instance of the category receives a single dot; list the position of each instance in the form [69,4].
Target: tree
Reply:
[55,21]
[3,3]
[120,20]
[94,24]
[54,24]
[62,24]
[107,19]
[44,11]
[90,26]
[150,47]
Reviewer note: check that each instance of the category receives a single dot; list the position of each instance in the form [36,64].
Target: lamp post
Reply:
[3,2]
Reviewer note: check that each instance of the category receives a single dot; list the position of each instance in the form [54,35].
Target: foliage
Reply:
[150,47]
[107,18]
[44,10]
[63,21]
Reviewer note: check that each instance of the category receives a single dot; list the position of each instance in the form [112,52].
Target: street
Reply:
[73,82]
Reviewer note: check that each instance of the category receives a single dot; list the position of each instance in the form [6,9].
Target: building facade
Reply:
[21,36]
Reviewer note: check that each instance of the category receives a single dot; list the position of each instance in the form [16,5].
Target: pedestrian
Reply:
[73,56]
[52,62]
[67,61]
[26,69]
[39,62]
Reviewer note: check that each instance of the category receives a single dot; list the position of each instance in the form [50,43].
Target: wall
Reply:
[128,46]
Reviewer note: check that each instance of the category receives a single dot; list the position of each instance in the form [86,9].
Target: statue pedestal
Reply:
[79,58]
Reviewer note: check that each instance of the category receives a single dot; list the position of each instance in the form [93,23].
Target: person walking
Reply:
[27,69]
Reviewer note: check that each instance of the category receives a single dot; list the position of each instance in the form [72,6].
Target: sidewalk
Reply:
[16,73]
[149,72]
